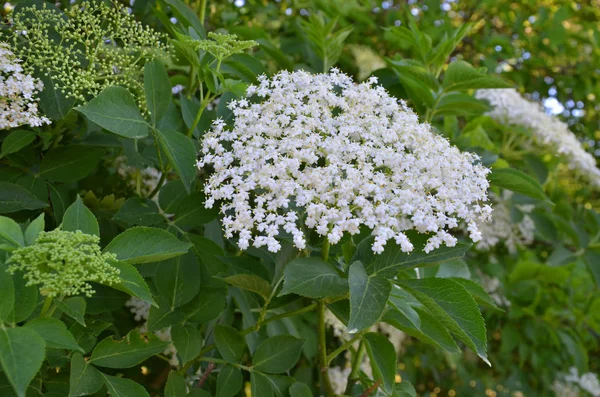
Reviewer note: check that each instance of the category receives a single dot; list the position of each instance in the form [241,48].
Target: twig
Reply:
[206,374]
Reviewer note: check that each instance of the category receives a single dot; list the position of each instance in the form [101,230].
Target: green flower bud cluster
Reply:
[223,45]
[62,263]
[88,48]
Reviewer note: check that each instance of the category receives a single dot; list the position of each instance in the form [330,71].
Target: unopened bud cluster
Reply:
[89,47]
[63,263]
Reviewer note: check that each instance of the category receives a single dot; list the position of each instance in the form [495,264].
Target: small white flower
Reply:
[322,152]
[18,93]
[510,107]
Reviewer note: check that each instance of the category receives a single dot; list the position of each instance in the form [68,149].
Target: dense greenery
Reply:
[117,279]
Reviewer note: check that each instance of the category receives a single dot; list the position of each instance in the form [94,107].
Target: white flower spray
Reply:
[18,93]
[321,152]
[510,107]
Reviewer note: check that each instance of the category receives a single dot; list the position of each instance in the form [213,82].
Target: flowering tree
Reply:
[284,199]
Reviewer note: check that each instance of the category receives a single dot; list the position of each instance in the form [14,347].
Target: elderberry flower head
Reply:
[87,48]
[510,107]
[18,93]
[321,152]
[62,263]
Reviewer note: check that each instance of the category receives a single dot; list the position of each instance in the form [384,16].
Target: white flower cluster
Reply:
[321,152]
[570,384]
[18,93]
[502,229]
[141,311]
[510,107]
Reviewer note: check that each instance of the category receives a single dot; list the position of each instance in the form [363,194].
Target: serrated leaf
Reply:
[260,385]
[54,332]
[206,306]
[115,110]
[230,343]
[123,387]
[382,356]
[79,217]
[127,352]
[84,379]
[146,244]
[158,90]
[277,354]
[70,163]
[16,141]
[181,153]
[74,307]
[7,294]
[516,181]
[10,232]
[34,229]
[250,282]
[178,279]
[300,389]
[312,278]
[462,76]
[478,293]
[22,353]
[15,198]
[392,259]
[188,342]
[453,306]
[138,211]
[368,297]
[132,282]
[27,299]
[175,386]
[229,381]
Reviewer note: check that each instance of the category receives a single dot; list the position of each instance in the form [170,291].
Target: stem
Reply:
[202,11]
[220,361]
[46,306]
[203,106]
[323,363]
[344,347]
[325,250]
[163,176]
[355,367]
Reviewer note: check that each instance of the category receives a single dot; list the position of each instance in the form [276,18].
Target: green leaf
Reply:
[162,316]
[260,385]
[462,76]
[84,379]
[115,110]
[54,103]
[300,389]
[516,181]
[404,389]
[10,232]
[74,307]
[27,298]
[15,198]
[382,355]
[132,282]
[7,294]
[459,104]
[230,342]
[368,297]
[79,217]
[277,354]
[206,306]
[229,381]
[178,279]
[54,332]
[158,89]
[392,259]
[188,342]
[592,259]
[181,153]
[16,141]
[146,244]
[127,352]
[312,278]
[34,229]
[123,387]
[70,163]
[22,353]
[478,293]
[175,386]
[184,13]
[189,213]
[250,282]
[139,211]
[453,306]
